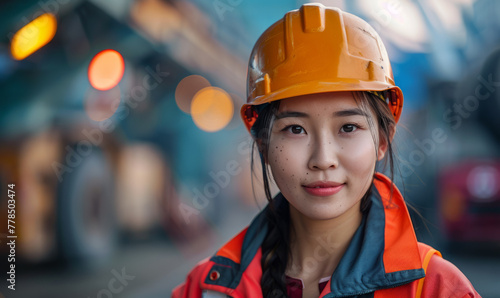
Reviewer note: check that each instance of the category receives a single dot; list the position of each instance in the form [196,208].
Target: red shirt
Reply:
[295,286]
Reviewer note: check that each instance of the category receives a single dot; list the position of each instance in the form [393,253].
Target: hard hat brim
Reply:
[314,87]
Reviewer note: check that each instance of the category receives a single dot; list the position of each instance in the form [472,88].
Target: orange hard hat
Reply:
[318,49]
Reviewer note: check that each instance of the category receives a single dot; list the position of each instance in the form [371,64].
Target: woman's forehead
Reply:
[319,101]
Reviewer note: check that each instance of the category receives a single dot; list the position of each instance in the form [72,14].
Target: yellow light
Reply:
[212,109]
[186,90]
[33,36]
[106,69]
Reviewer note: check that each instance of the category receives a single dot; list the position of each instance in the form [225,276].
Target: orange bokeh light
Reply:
[212,109]
[106,69]
[33,36]
[186,90]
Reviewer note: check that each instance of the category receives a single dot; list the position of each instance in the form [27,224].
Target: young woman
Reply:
[322,108]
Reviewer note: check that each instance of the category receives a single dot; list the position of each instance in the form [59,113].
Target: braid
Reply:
[276,245]
[275,252]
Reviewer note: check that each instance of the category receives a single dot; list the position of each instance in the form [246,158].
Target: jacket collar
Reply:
[373,260]
[382,254]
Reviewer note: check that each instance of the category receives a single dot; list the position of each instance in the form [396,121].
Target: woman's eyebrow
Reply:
[349,112]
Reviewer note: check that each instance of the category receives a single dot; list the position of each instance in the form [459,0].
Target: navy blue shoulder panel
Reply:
[361,269]
[253,239]
[227,270]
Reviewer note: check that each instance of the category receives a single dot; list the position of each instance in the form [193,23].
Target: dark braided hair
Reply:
[276,244]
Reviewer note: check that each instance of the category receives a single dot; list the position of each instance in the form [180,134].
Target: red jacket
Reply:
[394,267]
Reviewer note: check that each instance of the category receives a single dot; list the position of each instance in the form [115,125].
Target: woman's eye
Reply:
[349,128]
[295,129]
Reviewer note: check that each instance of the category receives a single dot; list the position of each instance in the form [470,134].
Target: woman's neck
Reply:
[318,245]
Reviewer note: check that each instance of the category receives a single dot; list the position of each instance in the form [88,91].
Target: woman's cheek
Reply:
[359,155]
[284,159]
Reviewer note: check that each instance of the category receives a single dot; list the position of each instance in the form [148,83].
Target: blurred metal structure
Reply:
[76,197]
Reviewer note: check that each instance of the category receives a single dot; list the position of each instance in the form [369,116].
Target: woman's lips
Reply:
[323,188]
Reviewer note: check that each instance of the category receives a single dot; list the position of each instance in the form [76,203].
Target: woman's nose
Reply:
[323,155]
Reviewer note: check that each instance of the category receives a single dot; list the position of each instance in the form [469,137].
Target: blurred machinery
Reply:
[92,158]
[470,202]
[460,167]
[469,189]
[75,202]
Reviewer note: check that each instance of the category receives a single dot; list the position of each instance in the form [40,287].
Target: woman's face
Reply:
[322,153]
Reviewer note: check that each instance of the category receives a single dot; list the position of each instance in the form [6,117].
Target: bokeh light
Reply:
[394,19]
[100,105]
[212,109]
[33,36]
[186,90]
[453,205]
[106,69]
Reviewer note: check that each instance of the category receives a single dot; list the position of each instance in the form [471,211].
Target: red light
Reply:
[106,69]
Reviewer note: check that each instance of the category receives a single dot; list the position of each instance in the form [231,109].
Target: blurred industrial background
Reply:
[120,129]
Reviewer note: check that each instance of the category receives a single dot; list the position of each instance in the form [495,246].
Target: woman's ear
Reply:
[383,144]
